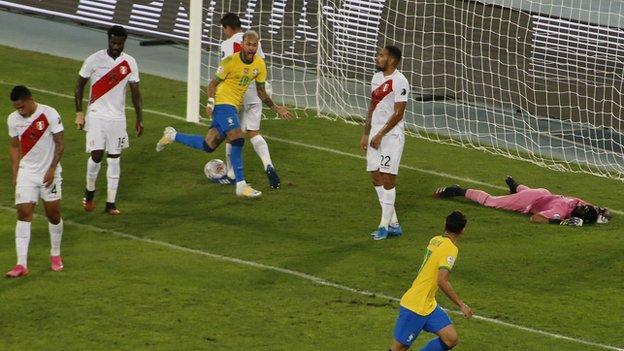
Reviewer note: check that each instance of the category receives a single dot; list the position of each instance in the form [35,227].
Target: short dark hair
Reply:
[588,213]
[455,222]
[117,31]
[394,52]
[231,20]
[20,92]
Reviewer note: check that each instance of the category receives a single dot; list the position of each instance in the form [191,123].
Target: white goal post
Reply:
[534,80]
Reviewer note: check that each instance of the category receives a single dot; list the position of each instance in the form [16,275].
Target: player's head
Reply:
[231,24]
[117,36]
[388,57]
[455,223]
[23,101]
[588,213]
[250,44]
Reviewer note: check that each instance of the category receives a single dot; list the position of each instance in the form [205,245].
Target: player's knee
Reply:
[54,216]
[97,156]
[252,133]
[24,215]
[238,142]
[451,340]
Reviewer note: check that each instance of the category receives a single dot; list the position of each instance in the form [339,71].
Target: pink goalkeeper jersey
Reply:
[554,206]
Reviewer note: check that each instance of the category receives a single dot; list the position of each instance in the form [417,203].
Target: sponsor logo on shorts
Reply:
[230,121]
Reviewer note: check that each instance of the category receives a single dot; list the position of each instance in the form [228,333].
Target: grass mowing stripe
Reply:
[314,279]
[310,146]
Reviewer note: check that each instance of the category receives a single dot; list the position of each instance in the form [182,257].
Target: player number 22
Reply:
[385,160]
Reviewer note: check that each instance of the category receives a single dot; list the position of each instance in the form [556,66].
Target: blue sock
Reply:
[435,345]
[236,157]
[193,141]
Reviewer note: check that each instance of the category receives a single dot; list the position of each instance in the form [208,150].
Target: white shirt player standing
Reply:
[110,72]
[36,133]
[251,112]
[384,135]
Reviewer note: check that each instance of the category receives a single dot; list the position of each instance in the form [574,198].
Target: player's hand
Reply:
[376,141]
[572,222]
[138,127]
[364,143]
[466,310]
[80,120]
[48,178]
[283,112]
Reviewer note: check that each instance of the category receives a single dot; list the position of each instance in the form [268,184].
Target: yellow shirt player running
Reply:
[419,309]
[225,95]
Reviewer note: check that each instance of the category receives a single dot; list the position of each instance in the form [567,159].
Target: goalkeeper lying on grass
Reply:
[544,206]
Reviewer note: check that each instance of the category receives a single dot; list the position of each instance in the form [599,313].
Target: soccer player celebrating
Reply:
[544,206]
[110,71]
[384,135]
[36,133]
[251,112]
[225,95]
[419,309]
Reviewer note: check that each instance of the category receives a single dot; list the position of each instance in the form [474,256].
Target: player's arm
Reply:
[211,90]
[281,111]
[14,152]
[137,102]
[445,286]
[78,96]
[59,146]
[367,128]
[399,112]
[572,221]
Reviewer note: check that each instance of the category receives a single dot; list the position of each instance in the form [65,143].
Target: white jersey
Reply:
[109,79]
[36,140]
[385,91]
[233,45]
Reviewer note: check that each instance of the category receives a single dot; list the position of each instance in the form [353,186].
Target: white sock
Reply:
[56,233]
[262,149]
[240,185]
[22,239]
[394,221]
[228,162]
[113,172]
[92,173]
[387,207]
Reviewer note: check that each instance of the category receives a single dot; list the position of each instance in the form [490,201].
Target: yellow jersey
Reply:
[235,76]
[441,254]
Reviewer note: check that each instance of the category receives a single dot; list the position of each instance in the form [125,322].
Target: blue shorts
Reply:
[225,118]
[409,324]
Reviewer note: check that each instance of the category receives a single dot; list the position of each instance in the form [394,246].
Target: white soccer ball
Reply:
[215,169]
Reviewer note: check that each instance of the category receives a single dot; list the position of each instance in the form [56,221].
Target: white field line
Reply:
[310,146]
[314,279]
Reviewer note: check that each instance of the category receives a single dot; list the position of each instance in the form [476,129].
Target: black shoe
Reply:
[511,183]
[274,180]
[449,191]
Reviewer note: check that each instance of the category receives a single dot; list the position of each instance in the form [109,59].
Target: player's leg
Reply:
[390,152]
[406,329]
[116,142]
[95,140]
[51,197]
[228,161]
[235,137]
[26,196]
[250,123]
[440,324]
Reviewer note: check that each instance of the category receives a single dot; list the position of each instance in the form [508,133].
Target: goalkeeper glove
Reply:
[604,215]
[572,221]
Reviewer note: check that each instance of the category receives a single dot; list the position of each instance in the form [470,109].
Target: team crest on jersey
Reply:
[40,125]
[246,71]
[123,70]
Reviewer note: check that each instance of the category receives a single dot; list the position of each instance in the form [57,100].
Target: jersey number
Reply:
[385,160]
[244,81]
[121,142]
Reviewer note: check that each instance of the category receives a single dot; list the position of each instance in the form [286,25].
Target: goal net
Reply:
[535,80]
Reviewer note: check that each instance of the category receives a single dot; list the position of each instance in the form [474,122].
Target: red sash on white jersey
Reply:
[33,133]
[381,92]
[110,80]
